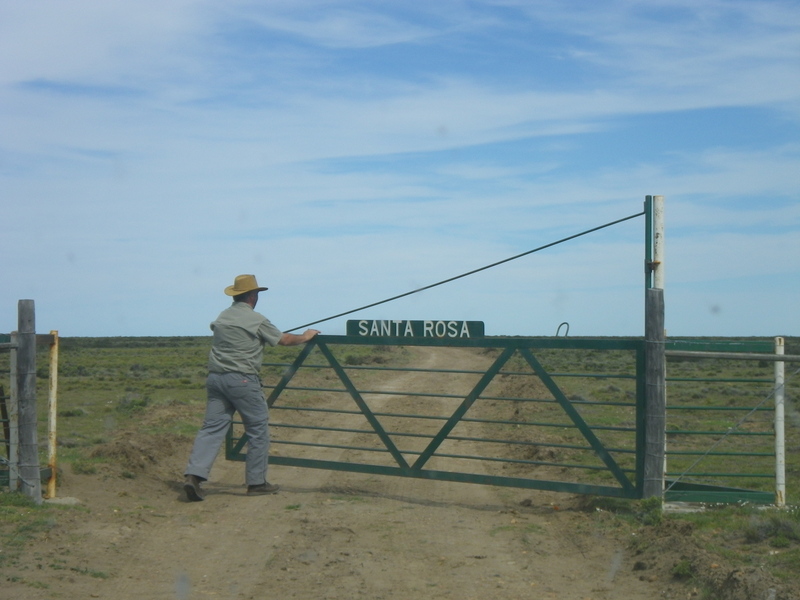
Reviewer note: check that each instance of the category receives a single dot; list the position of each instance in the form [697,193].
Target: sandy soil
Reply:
[329,535]
[325,536]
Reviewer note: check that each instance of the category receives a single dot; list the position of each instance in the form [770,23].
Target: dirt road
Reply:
[325,536]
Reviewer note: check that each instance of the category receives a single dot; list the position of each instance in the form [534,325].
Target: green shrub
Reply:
[782,527]
[15,499]
[683,569]
[650,511]
[82,466]
[132,403]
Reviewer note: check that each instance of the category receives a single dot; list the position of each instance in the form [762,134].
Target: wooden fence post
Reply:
[29,473]
[655,394]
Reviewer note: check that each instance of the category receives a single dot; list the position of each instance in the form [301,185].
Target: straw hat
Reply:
[243,284]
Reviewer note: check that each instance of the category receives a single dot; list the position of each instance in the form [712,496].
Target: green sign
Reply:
[419,329]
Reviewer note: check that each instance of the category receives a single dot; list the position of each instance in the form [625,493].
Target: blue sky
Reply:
[347,152]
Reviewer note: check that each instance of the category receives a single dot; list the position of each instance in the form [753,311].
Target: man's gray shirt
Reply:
[240,334]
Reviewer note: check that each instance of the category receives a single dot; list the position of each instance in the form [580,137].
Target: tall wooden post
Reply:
[655,394]
[29,474]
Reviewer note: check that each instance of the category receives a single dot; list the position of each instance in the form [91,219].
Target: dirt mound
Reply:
[134,451]
[139,453]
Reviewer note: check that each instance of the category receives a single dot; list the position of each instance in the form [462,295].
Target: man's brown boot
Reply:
[192,488]
[262,489]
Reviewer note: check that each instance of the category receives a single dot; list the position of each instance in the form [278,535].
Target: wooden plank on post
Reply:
[13,419]
[29,472]
[6,422]
[655,394]
[780,425]
[52,420]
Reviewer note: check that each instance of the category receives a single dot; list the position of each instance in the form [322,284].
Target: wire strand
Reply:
[468,273]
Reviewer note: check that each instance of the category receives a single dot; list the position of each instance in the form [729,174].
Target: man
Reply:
[233,385]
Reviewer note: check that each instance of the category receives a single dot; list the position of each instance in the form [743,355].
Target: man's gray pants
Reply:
[229,393]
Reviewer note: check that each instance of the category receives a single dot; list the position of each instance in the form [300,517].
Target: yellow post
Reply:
[52,414]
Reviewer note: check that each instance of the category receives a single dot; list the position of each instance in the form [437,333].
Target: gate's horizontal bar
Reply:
[722,433]
[722,408]
[701,453]
[561,343]
[716,380]
[725,475]
[708,345]
[733,356]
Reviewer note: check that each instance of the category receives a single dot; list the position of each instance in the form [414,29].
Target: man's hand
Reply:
[291,339]
[310,334]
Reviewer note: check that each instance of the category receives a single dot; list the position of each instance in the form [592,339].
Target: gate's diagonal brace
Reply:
[376,425]
[290,372]
[573,414]
[448,427]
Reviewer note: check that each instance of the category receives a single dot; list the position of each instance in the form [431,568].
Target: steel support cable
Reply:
[730,431]
[468,273]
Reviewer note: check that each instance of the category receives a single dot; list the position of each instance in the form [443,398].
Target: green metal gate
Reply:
[503,411]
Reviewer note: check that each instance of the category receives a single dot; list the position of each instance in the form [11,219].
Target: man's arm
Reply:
[291,339]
